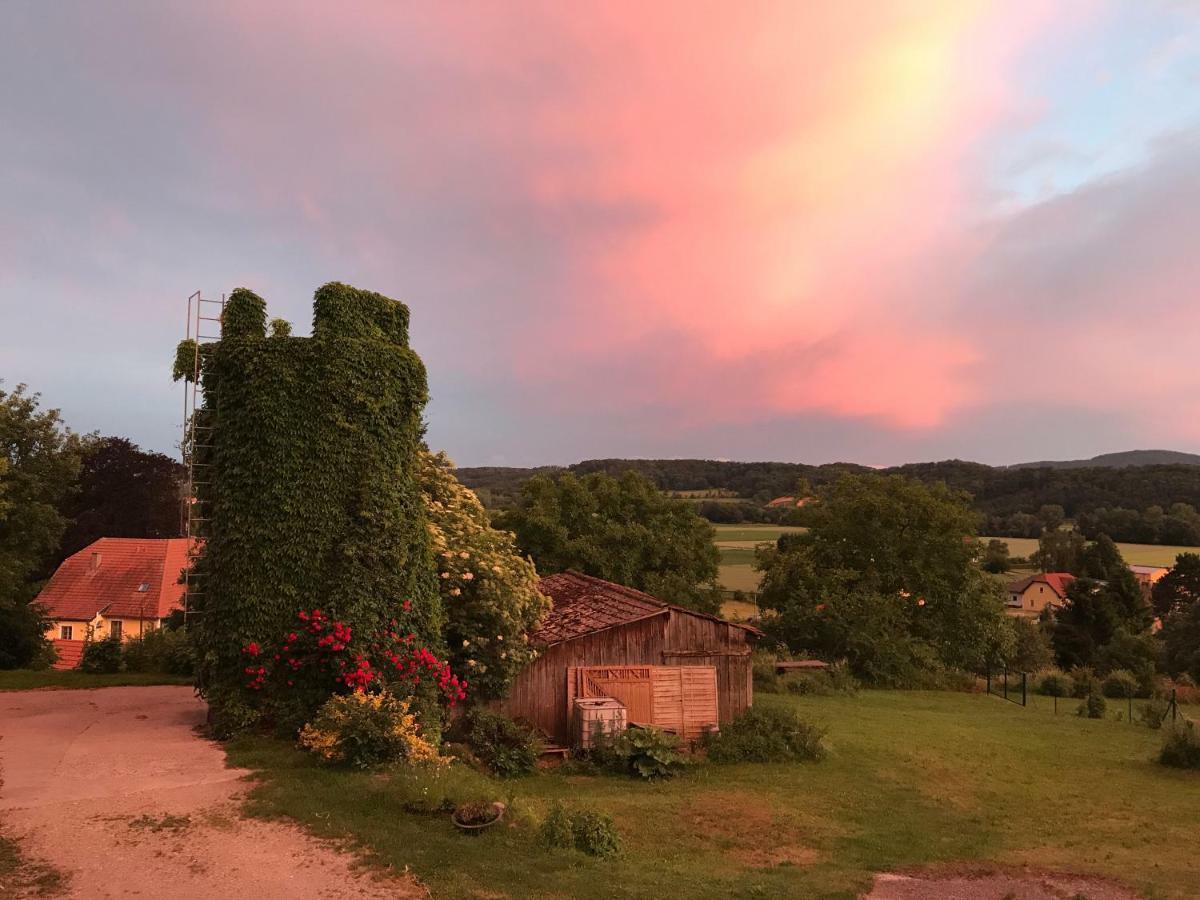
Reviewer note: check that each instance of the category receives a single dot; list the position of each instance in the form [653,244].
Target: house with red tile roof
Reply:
[1031,595]
[114,586]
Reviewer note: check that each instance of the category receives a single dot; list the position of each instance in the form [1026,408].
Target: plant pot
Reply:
[479,827]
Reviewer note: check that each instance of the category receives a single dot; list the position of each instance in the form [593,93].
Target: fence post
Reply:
[1130,707]
[1174,706]
[1024,676]
[1006,682]
[988,675]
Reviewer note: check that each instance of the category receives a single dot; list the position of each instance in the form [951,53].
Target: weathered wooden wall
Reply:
[539,693]
[671,638]
[696,641]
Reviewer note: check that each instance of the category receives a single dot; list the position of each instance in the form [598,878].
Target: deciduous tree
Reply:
[40,459]
[886,578]
[621,529]
[123,491]
[1180,587]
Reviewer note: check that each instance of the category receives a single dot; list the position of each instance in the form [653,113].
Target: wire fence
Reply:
[1015,688]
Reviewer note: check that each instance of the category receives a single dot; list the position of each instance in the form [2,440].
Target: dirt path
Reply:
[114,788]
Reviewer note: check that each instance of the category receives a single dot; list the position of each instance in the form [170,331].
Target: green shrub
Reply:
[762,668]
[1054,684]
[556,829]
[504,746]
[1120,684]
[1181,747]
[766,734]
[231,717]
[837,679]
[367,730]
[102,657]
[1094,707]
[163,650]
[595,834]
[649,753]
[586,831]
[1153,713]
[1084,682]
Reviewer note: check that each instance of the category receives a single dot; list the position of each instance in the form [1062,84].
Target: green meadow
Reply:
[913,779]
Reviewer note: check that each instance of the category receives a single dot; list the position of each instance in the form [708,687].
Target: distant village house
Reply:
[115,586]
[1031,595]
[1147,576]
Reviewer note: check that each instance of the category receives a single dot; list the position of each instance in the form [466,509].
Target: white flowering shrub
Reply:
[489,591]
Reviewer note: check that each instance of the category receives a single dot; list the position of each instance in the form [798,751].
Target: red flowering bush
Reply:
[323,656]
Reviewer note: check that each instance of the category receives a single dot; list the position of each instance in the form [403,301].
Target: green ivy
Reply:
[309,479]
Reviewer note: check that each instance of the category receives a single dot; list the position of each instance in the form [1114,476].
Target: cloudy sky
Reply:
[813,231]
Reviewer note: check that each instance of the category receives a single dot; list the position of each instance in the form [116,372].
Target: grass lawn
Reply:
[29,680]
[913,778]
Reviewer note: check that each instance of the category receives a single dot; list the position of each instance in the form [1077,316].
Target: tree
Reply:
[1052,516]
[1059,551]
[899,533]
[1180,587]
[123,492]
[620,529]
[1086,623]
[1181,641]
[995,557]
[886,579]
[40,460]
[489,590]
[1102,562]
[1032,649]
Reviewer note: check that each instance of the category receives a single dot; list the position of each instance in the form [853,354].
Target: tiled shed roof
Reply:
[583,604]
[135,578]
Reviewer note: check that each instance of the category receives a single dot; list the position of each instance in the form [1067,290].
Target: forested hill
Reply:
[1139,503]
[758,481]
[1119,460]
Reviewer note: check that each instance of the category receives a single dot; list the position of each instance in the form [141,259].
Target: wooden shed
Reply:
[604,638]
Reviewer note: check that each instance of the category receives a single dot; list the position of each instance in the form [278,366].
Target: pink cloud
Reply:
[750,212]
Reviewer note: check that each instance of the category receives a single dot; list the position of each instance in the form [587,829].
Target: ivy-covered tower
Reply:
[311,494]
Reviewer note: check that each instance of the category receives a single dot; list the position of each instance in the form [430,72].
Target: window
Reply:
[143,587]
[114,628]
[65,632]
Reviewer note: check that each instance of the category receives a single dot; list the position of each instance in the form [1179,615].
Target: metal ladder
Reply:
[197,435]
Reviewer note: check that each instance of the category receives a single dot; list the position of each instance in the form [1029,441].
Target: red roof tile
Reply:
[1059,582]
[108,575]
[583,604]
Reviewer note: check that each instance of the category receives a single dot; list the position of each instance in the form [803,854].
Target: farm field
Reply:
[1134,554]
[737,542]
[913,779]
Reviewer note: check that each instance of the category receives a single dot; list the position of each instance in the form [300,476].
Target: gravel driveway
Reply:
[114,788]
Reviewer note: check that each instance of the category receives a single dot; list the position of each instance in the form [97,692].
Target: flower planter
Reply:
[478,827]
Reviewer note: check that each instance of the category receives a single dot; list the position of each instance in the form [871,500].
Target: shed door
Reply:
[629,684]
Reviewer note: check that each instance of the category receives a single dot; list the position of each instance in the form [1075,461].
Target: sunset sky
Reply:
[869,231]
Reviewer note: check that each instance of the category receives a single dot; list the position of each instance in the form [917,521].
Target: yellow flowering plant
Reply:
[367,730]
